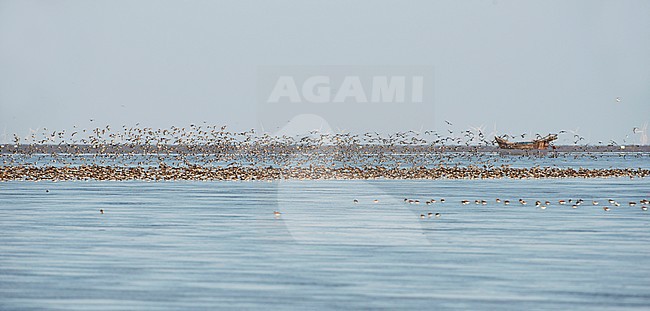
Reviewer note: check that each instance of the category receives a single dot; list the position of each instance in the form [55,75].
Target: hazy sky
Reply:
[519,66]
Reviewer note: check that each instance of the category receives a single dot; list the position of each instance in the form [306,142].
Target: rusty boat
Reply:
[537,144]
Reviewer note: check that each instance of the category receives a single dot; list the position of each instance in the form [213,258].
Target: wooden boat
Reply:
[538,144]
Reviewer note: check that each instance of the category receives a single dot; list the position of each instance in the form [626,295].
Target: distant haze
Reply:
[505,66]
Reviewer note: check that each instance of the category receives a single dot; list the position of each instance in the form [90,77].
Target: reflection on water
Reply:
[202,245]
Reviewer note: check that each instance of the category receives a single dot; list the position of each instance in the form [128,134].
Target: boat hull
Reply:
[538,144]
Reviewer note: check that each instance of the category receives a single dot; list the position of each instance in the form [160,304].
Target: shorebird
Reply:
[442,200]
[594,202]
[632,203]
[543,207]
[498,200]
[464,202]
[437,215]
[375,201]
[506,202]
[606,209]
[101,211]
[355,201]
[574,206]
[429,215]
[644,208]
[422,216]
[277,214]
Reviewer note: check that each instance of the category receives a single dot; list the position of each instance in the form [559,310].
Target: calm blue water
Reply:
[206,245]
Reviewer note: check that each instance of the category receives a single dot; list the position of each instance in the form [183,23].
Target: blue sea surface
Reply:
[209,245]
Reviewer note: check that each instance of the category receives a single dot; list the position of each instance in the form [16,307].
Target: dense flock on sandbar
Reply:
[211,152]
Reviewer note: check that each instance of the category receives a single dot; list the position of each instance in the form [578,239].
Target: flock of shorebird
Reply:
[164,172]
[538,204]
[211,152]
